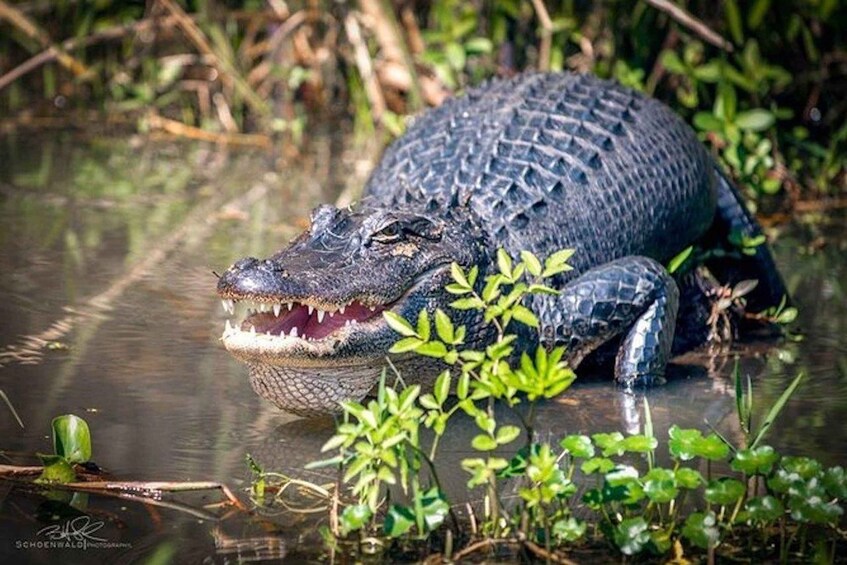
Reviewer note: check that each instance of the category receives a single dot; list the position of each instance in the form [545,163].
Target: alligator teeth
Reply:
[252,329]
[343,308]
[373,308]
[331,313]
[290,306]
[311,309]
[227,328]
[282,333]
[229,306]
[277,308]
[293,332]
[320,316]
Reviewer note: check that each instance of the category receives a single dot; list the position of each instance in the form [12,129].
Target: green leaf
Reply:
[733,20]
[689,478]
[435,508]
[444,327]
[507,434]
[706,121]
[711,447]
[459,276]
[835,482]
[610,443]
[533,265]
[405,344]
[478,46]
[71,438]
[578,446]
[759,460]
[701,529]
[597,465]
[354,518]
[557,263]
[57,469]
[568,529]
[672,62]
[442,387]
[470,303]
[525,316]
[504,263]
[762,509]
[776,409]
[423,326]
[639,444]
[432,349]
[398,521]
[682,442]
[660,485]
[455,54]
[755,120]
[399,324]
[680,259]
[631,535]
[724,491]
[484,442]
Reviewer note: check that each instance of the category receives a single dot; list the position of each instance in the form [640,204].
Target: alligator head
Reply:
[314,332]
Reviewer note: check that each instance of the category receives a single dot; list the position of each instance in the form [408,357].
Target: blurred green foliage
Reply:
[772,104]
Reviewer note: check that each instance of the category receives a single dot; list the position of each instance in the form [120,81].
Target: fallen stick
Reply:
[692,23]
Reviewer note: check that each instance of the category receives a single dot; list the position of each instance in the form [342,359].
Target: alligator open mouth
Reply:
[287,325]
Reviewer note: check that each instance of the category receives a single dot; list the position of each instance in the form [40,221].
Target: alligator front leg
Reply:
[634,297]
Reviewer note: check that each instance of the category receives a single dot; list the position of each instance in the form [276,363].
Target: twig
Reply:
[547,555]
[363,63]
[20,470]
[180,129]
[33,30]
[481,544]
[546,34]
[692,23]
[196,36]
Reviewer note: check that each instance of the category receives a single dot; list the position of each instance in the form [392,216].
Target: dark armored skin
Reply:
[540,162]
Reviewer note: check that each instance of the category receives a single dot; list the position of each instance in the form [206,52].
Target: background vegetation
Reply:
[763,82]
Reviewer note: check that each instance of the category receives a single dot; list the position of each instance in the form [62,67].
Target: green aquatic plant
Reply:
[714,496]
[71,446]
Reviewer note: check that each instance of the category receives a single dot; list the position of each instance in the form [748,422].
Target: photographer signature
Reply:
[78,529]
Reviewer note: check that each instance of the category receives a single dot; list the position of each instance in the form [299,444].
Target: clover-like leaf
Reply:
[354,518]
[762,510]
[724,491]
[578,446]
[759,460]
[835,482]
[701,529]
[597,465]
[631,535]
[682,442]
[639,443]
[568,529]
[660,485]
[688,478]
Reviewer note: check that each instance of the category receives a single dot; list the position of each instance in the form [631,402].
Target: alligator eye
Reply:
[389,234]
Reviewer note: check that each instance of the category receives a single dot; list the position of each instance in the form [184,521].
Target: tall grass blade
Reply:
[776,408]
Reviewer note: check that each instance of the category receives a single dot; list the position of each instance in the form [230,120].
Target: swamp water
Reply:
[106,253]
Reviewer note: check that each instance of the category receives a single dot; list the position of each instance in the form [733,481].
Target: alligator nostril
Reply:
[244,264]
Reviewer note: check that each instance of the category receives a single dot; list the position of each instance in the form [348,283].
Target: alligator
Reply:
[538,162]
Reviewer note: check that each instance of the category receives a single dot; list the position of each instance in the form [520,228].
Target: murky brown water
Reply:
[106,250]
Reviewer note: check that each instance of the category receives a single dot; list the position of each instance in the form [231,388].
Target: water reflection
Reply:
[110,245]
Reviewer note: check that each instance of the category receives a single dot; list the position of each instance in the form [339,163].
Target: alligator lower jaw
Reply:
[296,333]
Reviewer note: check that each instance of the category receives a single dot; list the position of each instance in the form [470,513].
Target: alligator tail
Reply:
[733,218]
